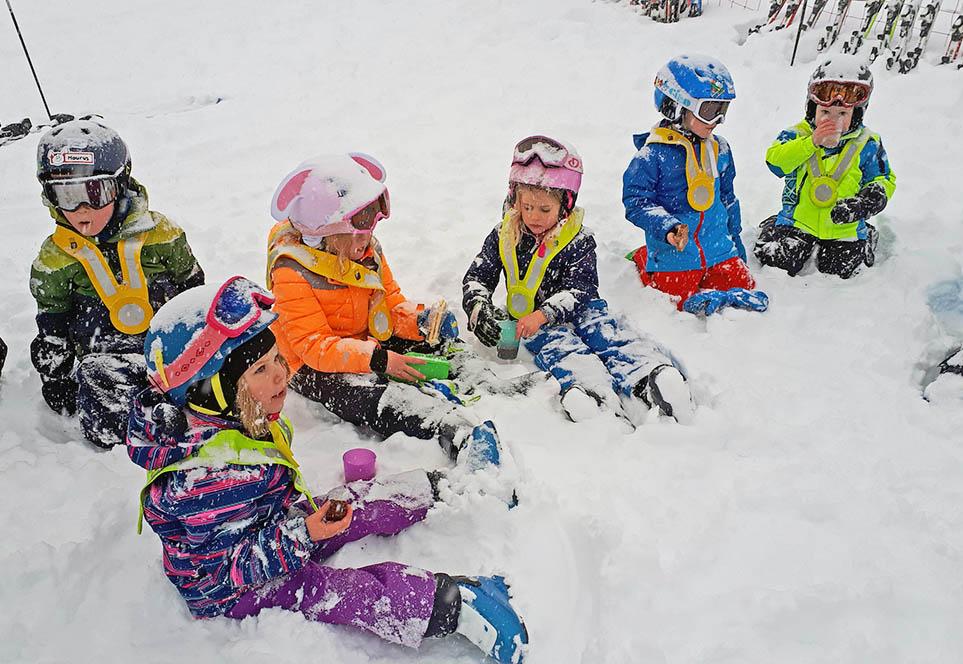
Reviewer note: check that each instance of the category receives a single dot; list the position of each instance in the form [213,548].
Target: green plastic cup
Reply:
[507,347]
[434,368]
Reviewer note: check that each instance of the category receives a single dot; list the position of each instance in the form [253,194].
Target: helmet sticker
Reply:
[69,157]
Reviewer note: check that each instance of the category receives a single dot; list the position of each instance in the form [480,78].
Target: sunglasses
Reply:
[95,192]
[848,94]
[711,111]
[550,152]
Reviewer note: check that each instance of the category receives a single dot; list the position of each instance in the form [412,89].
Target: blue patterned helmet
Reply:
[697,83]
[191,336]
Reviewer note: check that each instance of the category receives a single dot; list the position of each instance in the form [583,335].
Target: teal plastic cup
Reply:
[507,347]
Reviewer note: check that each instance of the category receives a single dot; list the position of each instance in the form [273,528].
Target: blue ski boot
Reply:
[488,620]
[482,448]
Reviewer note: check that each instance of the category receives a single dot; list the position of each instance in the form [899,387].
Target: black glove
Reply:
[61,395]
[870,200]
[483,321]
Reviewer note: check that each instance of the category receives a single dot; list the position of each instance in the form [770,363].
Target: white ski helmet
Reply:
[332,194]
[844,80]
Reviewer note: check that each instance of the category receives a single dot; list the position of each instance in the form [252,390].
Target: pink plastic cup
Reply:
[359,464]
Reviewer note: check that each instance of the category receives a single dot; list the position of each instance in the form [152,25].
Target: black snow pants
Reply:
[789,248]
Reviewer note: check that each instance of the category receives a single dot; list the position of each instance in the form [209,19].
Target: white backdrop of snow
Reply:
[812,513]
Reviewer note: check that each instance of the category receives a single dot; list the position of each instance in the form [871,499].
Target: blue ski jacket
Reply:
[654,190]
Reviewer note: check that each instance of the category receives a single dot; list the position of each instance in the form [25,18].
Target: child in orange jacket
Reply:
[343,324]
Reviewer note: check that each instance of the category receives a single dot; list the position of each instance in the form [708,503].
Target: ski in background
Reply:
[900,44]
[790,14]
[17,130]
[775,8]
[855,41]
[953,44]
[818,8]
[926,18]
[885,37]
[833,30]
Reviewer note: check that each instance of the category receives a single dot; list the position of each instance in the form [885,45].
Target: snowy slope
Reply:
[812,513]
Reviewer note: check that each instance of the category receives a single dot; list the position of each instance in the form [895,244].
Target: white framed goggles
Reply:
[96,191]
[711,111]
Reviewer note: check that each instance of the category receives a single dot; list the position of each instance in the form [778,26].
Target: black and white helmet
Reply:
[82,149]
[844,80]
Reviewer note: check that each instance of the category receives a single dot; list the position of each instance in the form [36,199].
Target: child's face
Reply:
[539,209]
[697,126]
[267,381]
[840,115]
[89,221]
[352,244]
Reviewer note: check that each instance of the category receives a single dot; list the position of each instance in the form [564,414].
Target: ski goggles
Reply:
[845,93]
[96,192]
[364,220]
[549,151]
[711,111]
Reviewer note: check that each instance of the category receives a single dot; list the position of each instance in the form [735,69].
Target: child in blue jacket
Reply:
[549,263]
[679,186]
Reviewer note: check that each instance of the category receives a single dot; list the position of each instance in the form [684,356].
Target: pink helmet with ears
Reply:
[332,194]
[546,162]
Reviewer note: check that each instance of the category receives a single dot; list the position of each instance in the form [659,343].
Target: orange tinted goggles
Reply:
[827,93]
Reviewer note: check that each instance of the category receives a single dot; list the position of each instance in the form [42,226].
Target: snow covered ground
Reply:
[812,513]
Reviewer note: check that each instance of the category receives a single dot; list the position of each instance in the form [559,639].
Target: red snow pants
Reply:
[731,273]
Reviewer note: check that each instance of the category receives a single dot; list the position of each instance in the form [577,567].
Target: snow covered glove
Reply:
[488,620]
[706,302]
[61,395]
[483,321]
[448,329]
[870,200]
[751,300]
[666,388]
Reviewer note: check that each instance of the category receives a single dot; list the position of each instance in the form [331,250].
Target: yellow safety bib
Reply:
[824,189]
[700,174]
[285,241]
[127,301]
[233,447]
[522,291]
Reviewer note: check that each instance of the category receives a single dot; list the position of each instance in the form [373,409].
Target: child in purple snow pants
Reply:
[224,492]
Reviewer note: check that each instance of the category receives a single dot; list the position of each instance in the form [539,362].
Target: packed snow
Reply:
[812,512]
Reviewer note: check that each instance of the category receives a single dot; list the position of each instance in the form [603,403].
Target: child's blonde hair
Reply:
[250,411]
[515,222]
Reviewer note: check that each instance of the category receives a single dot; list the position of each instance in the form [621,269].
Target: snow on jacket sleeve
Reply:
[481,279]
[639,195]
[788,152]
[215,509]
[51,284]
[404,314]
[578,277]
[728,195]
[305,327]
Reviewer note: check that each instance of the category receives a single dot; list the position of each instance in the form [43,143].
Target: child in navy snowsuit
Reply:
[99,277]
[225,495]
[549,263]
[679,187]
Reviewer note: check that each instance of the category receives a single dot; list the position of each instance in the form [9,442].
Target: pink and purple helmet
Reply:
[332,194]
[544,162]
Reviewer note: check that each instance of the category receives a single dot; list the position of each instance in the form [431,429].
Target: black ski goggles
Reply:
[96,192]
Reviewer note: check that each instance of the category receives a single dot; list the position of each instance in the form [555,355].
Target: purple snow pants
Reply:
[392,600]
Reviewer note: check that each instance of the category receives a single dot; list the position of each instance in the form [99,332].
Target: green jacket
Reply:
[789,158]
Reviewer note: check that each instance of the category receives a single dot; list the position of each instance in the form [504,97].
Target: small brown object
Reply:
[434,323]
[337,510]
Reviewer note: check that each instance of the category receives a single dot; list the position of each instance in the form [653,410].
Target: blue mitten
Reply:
[448,329]
[706,302]
[751,300]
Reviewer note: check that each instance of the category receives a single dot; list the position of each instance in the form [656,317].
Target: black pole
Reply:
[29,61]
[802,20]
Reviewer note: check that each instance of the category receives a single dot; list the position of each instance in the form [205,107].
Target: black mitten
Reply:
[870,200]
[483,321]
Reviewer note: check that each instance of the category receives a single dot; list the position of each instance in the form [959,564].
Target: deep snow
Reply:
[812,512]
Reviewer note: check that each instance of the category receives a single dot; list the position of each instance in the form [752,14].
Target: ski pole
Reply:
[29,61]
[802,19]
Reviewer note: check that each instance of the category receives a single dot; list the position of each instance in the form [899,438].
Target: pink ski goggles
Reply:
[545,162]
